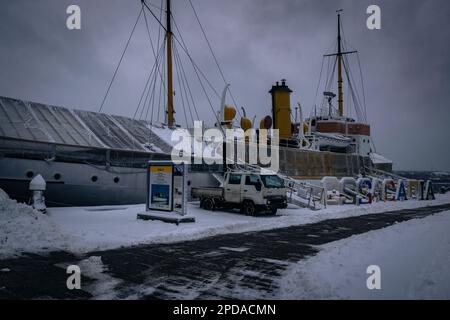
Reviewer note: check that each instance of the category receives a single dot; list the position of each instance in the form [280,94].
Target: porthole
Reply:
[57,176]
[94,178]
[30,174]
[116,180]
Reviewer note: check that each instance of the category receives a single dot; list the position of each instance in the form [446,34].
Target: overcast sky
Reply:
[406,64]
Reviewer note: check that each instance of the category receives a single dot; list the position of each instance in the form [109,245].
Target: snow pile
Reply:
[103,287]
[378,158]
[413,266]
[23,229]
[3,196]
[163,133]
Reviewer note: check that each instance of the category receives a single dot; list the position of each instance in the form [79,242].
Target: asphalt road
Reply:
[233,266]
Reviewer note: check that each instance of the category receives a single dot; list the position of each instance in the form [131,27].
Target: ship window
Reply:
[354,140]
[94,178]
[313,122]
[57,176]
[116,180]
[30,174]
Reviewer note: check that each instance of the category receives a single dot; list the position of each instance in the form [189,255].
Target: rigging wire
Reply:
[152,96]
[177,68]
[142,94]
[163,66]
[160,18]
[186,51]
[187,84]
[153,80]
[144,3]
[148,83]
[318,83]
[183,46]
[151,43]
[330,79]
[354,96]
[151,100]
[154,88]
[214,56]
[161,91]
[154,5]
[145,89]
[145,102]
[197,71]
[362,85]
[120,61]
[184,84]
[362,105]
[358,103]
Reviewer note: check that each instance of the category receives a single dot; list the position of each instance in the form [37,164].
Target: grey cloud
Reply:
[406,65]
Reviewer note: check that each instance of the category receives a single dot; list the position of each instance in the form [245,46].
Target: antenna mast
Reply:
[339,56]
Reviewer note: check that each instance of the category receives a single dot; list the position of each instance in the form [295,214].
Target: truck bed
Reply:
[210,192]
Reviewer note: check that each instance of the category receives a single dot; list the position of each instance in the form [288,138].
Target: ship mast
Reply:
[339,55]
[169,35]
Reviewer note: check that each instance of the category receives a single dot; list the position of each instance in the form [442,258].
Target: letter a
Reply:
[74,280]
[374,20]
[74,20]
[374,280]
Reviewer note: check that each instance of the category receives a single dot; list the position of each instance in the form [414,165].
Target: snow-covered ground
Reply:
[413,256]
[87,229]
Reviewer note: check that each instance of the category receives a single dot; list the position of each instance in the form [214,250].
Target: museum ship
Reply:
[93,158]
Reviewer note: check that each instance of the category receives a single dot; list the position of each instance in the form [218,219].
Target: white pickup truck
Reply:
[250,192]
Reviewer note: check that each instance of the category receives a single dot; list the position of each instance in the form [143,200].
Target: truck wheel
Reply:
[248,208]
[208,204]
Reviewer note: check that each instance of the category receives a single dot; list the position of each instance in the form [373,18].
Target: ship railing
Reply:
[305,194]
[377,173]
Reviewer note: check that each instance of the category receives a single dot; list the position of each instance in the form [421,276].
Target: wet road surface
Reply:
[232,266]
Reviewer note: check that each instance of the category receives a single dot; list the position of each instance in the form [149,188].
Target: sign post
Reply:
[160,187]
[166,193]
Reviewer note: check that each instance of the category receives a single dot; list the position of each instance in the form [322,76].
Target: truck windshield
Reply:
[272,181]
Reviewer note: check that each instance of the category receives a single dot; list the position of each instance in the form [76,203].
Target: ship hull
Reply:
[75,187]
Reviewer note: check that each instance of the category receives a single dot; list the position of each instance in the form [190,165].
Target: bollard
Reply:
[37,187]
